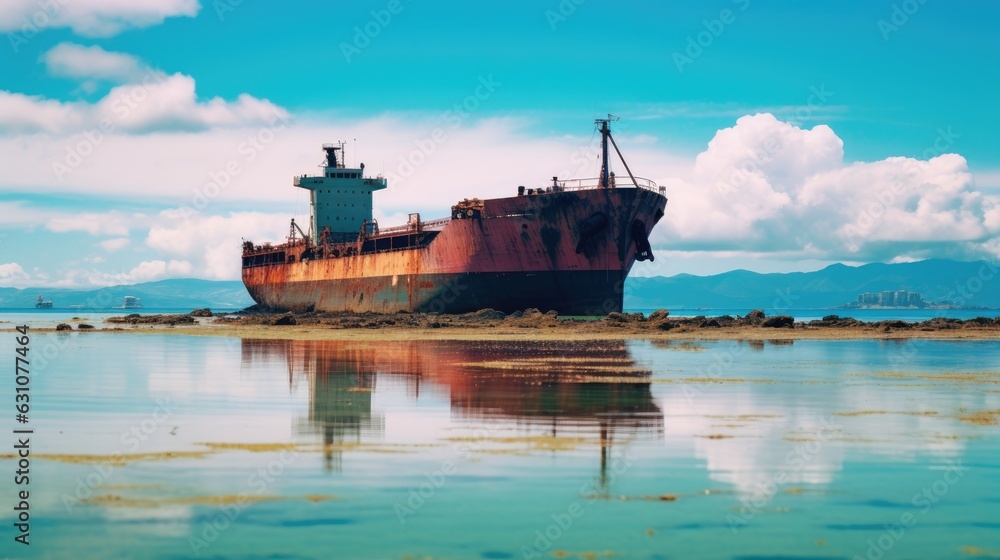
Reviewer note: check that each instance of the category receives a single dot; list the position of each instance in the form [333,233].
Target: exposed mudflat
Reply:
[495,325]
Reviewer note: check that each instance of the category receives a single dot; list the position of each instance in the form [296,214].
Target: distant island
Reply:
[892,299]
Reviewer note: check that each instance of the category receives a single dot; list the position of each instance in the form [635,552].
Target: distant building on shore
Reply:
[890,298]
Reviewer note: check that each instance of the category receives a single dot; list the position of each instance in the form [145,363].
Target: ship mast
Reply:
[605,125]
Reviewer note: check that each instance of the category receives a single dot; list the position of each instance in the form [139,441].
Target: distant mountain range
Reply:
[973,284]
[177,293]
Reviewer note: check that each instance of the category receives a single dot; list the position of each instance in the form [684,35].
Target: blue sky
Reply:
[851,89]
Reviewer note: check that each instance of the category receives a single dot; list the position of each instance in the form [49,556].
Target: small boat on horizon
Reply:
[131,302]
[42,304]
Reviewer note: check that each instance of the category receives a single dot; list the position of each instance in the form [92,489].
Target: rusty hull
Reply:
[518,252]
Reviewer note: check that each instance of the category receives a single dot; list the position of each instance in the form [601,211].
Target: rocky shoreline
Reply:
[531,324]
[656,322]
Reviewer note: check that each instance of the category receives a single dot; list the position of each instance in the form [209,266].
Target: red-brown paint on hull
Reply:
[529,241]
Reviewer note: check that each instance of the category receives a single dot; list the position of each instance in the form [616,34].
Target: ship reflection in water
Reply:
[557,389]
[640,449]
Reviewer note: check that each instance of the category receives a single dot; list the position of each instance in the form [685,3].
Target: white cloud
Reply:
[21,113]
[145,271]
[69,60]
[107,223]
[114,244]
[767,186]
[11,274]
[212,243]
[472,161]
[157,102]
[148,271]
[170,103]
[90,18]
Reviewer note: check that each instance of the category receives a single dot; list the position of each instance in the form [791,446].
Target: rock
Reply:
[489,315]
[778,322]
[284,320]
[516,315]
[755,317]
[85,327]
[711,323]
[201,313]
[831,318]
[552,313]
[531,312]
[616,317]
[659,315]
[63,327]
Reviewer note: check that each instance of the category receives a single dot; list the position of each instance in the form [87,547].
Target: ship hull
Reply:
[567,292]
[564,251]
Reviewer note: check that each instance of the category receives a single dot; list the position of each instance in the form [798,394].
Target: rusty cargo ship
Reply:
[567,246]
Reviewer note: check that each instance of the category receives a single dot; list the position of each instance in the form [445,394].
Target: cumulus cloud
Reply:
[12,274]
[105,223]
[114,244]
[157,102]
[21,113]
[90,18]
[69,60]
[767,186]
[145,271]
[212,243]
[148,271]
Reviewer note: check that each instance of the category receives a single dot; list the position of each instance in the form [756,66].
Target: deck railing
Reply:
[430,225]
[620,181]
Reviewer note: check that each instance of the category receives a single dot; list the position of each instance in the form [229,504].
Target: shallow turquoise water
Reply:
[451,450]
